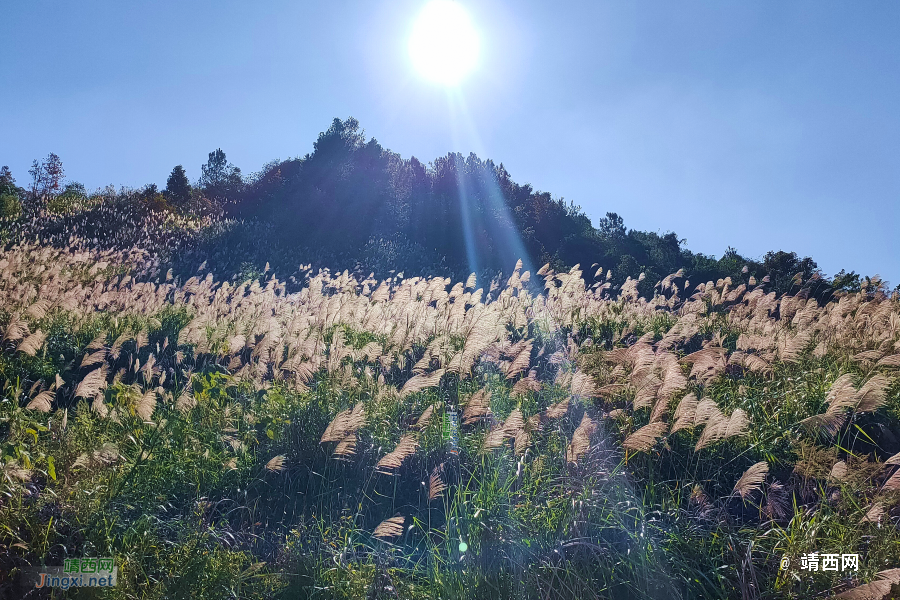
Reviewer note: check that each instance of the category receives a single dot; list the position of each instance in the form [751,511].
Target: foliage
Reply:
[10,206]
[242,440]
[451,217]
[7,182]
[183,391]
[73,197]
[178,188]
[46,177]
[220,178]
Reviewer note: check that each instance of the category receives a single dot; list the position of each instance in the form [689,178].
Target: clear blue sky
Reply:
[764,125]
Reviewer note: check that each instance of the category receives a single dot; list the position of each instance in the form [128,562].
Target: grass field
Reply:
[242,440]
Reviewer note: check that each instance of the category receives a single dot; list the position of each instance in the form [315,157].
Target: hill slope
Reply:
[239,440]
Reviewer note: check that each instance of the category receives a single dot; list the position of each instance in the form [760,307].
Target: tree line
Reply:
[352,199]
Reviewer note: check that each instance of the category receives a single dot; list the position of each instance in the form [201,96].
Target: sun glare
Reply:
[443,45]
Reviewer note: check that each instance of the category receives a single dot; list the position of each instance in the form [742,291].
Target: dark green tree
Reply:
[10,204]
[612,226]
[153,198]
[464,213]
[787,272]
[7,181]
[627,267]
[732,265]
[74,190]
[849,282]
[220,179]
[71,195]
[178,188]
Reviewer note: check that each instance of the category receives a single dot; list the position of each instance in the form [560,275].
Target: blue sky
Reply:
[764,125]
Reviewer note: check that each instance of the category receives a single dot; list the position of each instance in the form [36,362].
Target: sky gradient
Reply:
[763,126]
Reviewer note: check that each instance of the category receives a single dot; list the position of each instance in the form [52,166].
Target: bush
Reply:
[68,202]
[158,203]
[10,205]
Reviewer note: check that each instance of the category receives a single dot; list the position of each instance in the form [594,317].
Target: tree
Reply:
[214,169]
[73,194]
[38,179]
[10,205]
[55,173]
[220,180]
[8,182]
[612,227]
[849,282]
[178,188]
[153,199]
[46,176]
[732,265]
[74,190]
[341,138]
[345,184]
[465,212]
[627,267]
[787,271]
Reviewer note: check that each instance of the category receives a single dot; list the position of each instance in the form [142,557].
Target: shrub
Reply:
[10,206]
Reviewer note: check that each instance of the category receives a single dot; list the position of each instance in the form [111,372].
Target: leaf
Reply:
[51,468]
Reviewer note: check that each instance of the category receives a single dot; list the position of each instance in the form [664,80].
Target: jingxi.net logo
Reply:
[77,572]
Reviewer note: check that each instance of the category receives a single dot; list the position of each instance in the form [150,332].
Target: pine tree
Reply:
[220,179]
[178,188]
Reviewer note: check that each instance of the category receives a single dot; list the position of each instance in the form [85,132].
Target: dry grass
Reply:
[390,528]
[699,392]
[752,480]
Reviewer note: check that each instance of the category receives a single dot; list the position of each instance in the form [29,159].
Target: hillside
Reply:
[451,217]
[261,438]
[348,376]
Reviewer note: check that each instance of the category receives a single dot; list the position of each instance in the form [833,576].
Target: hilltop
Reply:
[451,217]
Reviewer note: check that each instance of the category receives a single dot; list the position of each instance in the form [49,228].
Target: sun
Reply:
[444,45]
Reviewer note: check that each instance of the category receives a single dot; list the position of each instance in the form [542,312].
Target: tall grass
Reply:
[229,439]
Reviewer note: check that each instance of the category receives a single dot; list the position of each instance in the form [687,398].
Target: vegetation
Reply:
[453,216]
[179,395]
[229,440]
